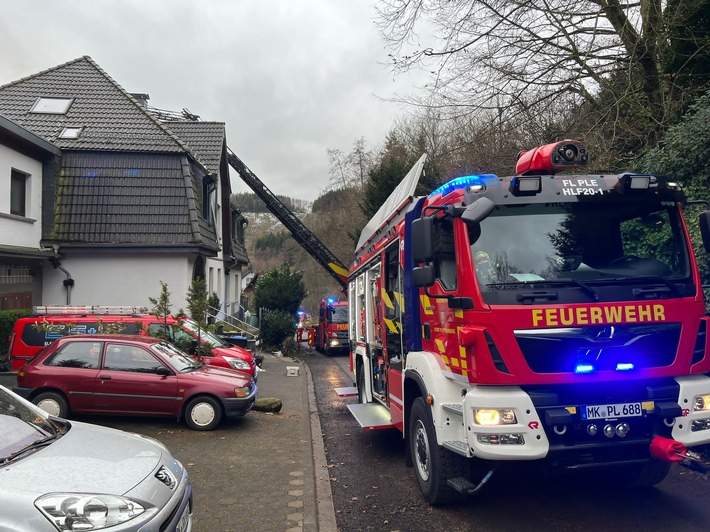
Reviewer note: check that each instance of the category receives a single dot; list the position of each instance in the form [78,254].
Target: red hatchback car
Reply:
[129,375]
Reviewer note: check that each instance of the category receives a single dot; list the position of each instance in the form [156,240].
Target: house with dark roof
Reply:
[133,199]
[25,160]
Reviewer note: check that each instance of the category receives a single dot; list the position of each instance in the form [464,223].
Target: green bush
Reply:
[7,322]
[276,326]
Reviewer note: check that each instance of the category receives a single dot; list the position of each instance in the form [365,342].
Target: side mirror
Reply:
[163,371]
[423,276]
[478,210]
[704,223]
[423,239]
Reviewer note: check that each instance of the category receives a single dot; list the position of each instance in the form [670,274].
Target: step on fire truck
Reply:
[535,317]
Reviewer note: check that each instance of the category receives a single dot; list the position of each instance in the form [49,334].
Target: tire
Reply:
[649,474]
[53,403]
[203,413]
[361,395]
[433,465]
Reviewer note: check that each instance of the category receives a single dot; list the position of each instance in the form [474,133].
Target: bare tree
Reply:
[511,58]
[349,170]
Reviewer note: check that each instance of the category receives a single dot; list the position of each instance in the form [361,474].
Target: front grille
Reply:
[604,347]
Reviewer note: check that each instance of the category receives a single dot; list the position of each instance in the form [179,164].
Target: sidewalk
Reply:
[311,500]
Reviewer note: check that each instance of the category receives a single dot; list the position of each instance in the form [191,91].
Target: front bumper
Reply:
[239,406]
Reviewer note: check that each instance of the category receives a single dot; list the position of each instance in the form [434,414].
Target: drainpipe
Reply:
[68,282]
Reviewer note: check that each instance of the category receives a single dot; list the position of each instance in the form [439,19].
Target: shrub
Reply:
[276,326]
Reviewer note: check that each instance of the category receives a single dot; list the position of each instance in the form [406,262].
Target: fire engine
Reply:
[331,333]
[543,316]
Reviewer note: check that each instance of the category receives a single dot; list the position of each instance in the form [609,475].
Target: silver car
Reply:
[61,475]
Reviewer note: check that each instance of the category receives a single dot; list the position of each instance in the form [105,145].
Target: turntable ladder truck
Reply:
[544,316]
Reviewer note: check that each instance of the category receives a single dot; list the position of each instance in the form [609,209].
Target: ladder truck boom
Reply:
[300,232]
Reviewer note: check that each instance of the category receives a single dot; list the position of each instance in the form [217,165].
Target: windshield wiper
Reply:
[31,447]
[584,286]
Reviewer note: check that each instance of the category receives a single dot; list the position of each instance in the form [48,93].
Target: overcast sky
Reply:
[290,78]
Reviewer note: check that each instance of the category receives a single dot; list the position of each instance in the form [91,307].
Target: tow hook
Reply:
[668,450]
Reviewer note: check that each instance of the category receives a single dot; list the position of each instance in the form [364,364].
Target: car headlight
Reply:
[87,511]
[238,363]
[701,402]
[242,392]
[490,416]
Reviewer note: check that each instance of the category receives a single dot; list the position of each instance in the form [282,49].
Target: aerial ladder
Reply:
[300,232]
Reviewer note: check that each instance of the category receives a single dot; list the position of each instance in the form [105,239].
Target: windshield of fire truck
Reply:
[594,242]
[339,314]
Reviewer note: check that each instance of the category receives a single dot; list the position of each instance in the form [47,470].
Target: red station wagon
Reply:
[27,339]
[129,375]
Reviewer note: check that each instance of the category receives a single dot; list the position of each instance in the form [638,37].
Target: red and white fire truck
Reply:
[331,333]
[542,316]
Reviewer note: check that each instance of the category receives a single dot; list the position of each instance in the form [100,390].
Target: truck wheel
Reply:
[203,413]
[433,465]
[649,474]
[52,403]
[361,395]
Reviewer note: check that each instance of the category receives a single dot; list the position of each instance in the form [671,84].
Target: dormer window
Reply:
[54,106]
[70,133]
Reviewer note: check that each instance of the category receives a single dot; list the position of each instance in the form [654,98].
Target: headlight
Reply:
[488,416]
[242,392]
[238,363]
[87,511]
[701,402]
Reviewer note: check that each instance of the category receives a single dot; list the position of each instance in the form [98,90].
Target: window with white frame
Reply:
[53,106]
[18,192]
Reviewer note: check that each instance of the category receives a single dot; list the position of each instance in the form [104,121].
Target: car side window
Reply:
[130,358]
[85,355]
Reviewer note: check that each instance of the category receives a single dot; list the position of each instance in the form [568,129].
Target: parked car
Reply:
[133,375]
[61,475]
[28,335]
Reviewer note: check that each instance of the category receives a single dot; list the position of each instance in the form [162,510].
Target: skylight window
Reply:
[70,133]
[57,106]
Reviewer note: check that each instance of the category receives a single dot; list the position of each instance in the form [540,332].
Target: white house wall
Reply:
[15,230]
[118,279]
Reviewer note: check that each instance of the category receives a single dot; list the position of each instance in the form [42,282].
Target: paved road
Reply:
[373,490]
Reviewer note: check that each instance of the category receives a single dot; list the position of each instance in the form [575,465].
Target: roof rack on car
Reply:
[87,309]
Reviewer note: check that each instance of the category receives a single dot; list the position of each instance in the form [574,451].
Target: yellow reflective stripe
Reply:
[337,269]
[440,345]
[462,354]
[400,299]
[458,313]
[426,305]
[391,326]
[386,299]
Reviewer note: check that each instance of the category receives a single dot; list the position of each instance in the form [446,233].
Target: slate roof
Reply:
[128,199]
[111,118]
[205,140]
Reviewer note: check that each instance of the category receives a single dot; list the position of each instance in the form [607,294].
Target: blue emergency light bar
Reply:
[584,368]
[462,182]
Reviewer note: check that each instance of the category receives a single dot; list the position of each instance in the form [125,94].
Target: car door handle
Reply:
[105,377]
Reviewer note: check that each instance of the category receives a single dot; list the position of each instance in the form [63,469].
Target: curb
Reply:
[325,510]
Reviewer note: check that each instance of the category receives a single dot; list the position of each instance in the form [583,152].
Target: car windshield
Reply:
[22,425]
[579,242]
[339,315]
[210,339]
[177,359]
